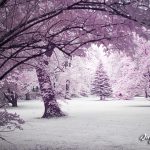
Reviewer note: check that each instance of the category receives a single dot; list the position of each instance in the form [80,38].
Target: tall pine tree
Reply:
[101,84]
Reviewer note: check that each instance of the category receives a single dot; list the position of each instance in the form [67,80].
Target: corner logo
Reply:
[145,137]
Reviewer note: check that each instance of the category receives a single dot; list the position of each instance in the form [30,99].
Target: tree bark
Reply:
[52,108]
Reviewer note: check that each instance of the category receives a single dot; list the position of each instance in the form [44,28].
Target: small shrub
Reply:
[10,121]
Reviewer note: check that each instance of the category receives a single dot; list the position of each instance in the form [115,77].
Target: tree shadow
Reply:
[54,118]
[139,106]
[105,100]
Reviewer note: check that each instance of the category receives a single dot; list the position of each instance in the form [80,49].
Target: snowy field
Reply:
[90,125]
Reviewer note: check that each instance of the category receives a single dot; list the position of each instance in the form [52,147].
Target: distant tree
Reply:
[80,74]
[11,97]
[101,86]
[131,77]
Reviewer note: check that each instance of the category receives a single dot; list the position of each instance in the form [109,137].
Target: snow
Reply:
[90,125]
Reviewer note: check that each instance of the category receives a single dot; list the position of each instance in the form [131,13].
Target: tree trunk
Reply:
[101,97]
[14,102]
[146,95]
[11,98]
[67,94]
[52,108]
[14,99]
[27,96]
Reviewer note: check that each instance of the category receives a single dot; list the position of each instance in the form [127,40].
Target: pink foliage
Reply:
[29,29]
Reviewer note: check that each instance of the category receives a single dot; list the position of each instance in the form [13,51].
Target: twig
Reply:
[3,139]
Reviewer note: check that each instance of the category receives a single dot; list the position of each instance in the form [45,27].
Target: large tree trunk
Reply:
[52,108]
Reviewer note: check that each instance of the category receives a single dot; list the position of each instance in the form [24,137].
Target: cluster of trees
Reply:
[31,31]
[130,75]
[79,74]
[75,71]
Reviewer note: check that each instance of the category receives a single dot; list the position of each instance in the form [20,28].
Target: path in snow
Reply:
[91,125]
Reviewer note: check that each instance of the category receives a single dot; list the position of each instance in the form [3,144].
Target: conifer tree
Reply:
[101,84]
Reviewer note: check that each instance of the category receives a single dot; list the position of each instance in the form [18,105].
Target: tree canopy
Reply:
[29,29]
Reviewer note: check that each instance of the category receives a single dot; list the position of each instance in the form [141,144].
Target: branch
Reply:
[3,2]
[19,63]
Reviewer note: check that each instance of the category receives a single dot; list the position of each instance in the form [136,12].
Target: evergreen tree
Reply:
[101,86]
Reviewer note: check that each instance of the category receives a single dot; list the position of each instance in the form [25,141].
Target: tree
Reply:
[130,75]
[29,29]
[143,64]
[34,33]
[101,85]
[52,108]
[40,24]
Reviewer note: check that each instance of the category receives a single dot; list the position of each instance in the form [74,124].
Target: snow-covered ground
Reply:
[90,125]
